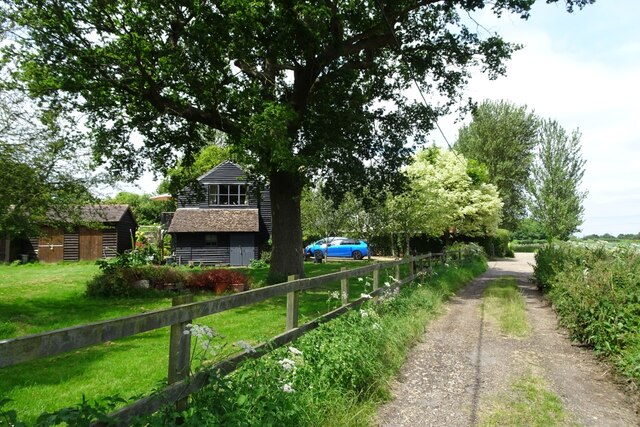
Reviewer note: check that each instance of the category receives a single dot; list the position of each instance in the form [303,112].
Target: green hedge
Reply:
[596,293]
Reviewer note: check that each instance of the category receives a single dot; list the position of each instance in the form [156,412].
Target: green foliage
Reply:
[44,166]
[595,293]
[190,168]
[145,210]
[526,247]
[331,376]
[445,197]
[502,136]
[297,88]
[529,230]
[118,281]
[497,245]
[258,263]
[556,199]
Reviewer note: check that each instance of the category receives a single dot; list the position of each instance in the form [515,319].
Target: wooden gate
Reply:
[51,245]
[90,244]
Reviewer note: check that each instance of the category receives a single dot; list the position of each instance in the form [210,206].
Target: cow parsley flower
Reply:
[295,351]
[367,296]
[287,364]
[364,313]
[246,346]
[287,388]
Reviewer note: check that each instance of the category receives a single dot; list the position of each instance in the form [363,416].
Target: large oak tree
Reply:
[301,88]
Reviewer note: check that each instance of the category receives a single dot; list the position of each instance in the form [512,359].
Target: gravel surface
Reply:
[464,362]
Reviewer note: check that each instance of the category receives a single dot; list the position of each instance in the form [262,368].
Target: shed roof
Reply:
[103,213]
[91,213]
[193,220]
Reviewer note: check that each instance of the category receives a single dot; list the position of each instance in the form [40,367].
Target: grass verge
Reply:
[336,375]
[529,403]
[503,301]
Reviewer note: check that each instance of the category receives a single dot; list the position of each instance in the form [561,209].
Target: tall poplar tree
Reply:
[502,136]
[556,198]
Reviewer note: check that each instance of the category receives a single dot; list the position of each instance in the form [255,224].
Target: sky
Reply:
[582,70]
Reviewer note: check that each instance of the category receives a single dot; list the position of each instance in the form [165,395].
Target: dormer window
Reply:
[227,194]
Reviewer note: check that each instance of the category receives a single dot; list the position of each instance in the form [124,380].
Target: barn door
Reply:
[90,244]
[241,249]
[51,245]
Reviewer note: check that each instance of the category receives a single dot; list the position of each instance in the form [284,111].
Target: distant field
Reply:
[37,298]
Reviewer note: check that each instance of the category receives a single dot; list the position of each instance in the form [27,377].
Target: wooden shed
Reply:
[113,234]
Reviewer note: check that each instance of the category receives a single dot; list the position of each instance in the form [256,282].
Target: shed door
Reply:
[90,244]
[241,249]
[51,245]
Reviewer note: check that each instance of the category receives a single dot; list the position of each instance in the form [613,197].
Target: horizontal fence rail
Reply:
[22,349]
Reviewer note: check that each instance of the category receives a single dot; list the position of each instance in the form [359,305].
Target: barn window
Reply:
[211,240]
[227,194]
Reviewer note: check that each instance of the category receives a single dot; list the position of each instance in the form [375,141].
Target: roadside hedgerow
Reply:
[596,295]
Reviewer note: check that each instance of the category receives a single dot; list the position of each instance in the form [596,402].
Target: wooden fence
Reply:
[183,311]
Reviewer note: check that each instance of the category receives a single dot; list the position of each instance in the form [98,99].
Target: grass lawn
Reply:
[36,298]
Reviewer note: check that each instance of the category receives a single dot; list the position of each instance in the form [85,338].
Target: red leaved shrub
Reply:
[217,280]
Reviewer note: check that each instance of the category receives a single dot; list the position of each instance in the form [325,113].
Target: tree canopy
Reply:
[503,137]
[44,178]
[145,210]
[301,89]
[443,185]
[556,197]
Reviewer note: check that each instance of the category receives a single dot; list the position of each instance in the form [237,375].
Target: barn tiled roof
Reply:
[192,220]
[91,213]
[103,213]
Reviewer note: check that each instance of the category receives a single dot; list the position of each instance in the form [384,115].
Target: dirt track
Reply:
[451,377]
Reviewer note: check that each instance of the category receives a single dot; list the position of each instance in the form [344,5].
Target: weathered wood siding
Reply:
[265,219]
[109,242]
[71,246]
[125,228]
[225,173]
[191,247]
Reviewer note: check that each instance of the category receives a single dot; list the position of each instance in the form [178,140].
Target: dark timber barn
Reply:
[112,234]
[226,222]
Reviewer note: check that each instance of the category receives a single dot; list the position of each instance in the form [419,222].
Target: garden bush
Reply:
[121,282]
[218,280]
[596,293]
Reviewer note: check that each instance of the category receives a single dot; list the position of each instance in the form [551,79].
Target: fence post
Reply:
[292,306]
[412,267]
[376,280]
[429,262]
[444,257]
[459,254]
[179,350]
[344,288]
[397,272]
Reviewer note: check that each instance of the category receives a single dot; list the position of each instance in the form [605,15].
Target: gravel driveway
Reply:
[451,377]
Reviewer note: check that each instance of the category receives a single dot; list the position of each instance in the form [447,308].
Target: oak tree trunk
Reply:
[287,256]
